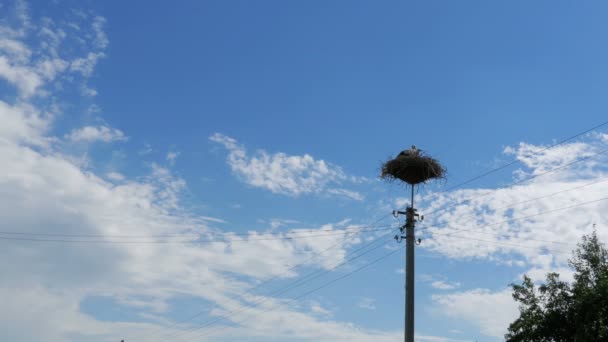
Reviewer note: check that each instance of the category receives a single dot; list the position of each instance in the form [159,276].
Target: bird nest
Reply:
[413,167]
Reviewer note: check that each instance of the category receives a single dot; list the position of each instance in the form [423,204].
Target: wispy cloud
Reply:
[86,65]
[367,303]
[30,72]
[96,133]
[115,176]
[172,157]
[101,40]
[285,174]
[444,285]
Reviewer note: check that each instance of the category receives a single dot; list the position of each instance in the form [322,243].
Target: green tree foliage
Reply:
[559,311]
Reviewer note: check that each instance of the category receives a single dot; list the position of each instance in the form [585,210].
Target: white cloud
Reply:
[26,79]
[538,274]
[317,308]
[23,123]
[86,65]
[115,176]
[15,49]
[172,157]
[444,285]
[50,68]
[147,149]
[490,311]
[367,303]
[51,37]
[438,282]
[346,193]
[284,174]
[88,91]
[30,72]
[539,158]
[101,40]
[96,133]
[276,223]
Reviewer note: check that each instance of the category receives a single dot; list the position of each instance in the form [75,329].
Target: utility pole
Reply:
[410,242]
[411,166]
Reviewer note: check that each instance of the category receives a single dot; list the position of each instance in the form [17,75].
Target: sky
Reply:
[209,170]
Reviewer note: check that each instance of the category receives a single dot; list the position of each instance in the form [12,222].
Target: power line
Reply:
[410,232]
[348,274]
[229,234]
[515,219]
[454,236]
[290,286]
[542,197]
[516,161]
[499,243]
[521,181]
[499,235]
[188,241]
[276,276]
[331,247]
[318,254]
[512,163]
[519,203]
[296,283]
[451,234]
[319,287]
[320,273]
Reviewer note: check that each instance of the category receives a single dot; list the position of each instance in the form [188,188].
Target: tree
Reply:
[558,311]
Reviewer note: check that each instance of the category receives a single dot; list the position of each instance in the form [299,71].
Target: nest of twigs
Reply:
[413,167]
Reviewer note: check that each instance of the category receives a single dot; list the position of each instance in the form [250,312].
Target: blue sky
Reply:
[202,122]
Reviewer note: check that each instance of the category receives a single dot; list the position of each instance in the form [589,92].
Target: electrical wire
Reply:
[290,286]
[229,234]
[499,243]
[342,232]
[319,254]
[519,203]
[316,255]
[535,176]
[315,289]
[498,235]
[511,205]
[516,161]
[520,181]
[515,219]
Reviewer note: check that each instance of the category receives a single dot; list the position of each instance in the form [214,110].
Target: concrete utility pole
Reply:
[410,242]
[413,167]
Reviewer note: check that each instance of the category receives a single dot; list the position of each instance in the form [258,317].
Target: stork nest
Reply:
[413,167]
